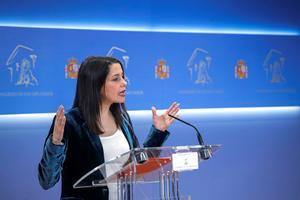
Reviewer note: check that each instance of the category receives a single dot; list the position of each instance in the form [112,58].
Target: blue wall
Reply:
[268,15]
[259,158]
[201,69]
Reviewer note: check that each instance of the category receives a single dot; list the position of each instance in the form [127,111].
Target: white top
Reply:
[114,146]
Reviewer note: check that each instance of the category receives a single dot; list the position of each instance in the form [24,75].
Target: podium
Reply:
[152,173]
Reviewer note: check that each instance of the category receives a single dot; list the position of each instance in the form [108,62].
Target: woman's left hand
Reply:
[162,122]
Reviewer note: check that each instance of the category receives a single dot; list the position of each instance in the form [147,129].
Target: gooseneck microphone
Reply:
[204,153]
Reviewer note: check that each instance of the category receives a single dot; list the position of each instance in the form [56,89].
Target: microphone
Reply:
[205,154]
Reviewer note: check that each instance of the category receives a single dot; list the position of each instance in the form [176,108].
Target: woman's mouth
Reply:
[123,93]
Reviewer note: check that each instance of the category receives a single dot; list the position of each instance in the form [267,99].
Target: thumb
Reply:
[153,111]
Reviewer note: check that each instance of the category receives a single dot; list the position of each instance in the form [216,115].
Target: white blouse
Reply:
[114,146]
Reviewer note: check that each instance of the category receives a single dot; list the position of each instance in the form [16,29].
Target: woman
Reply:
[95,130]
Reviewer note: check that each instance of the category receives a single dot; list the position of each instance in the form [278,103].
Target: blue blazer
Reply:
[82,151]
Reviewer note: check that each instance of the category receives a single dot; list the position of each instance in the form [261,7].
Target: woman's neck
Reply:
[105,109]
[107,121]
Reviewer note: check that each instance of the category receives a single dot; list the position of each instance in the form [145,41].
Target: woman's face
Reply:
[114,88]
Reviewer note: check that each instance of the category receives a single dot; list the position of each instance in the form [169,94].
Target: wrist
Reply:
[161,129]
[56,141]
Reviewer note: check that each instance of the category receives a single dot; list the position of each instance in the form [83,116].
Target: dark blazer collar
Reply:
[126,127]
[93,137]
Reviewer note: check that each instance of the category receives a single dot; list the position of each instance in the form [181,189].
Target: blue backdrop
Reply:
[38,68]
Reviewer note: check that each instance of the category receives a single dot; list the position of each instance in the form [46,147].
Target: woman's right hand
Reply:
[59,125]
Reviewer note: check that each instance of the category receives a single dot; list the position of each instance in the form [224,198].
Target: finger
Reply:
[153,111]
[58,131]
[168,111]
[62,125]
[172,106]
[59,113]
[59,122]
[175,107]
[60,109]
[174,110]
[62,122]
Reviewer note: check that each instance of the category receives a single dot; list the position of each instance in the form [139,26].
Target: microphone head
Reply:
[205,154]
[141,157]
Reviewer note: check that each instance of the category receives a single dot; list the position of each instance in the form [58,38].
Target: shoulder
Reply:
[74,116]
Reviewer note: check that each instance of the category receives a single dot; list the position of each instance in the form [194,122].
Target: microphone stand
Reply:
[204,154]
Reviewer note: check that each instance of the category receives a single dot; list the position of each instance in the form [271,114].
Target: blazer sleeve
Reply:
[156,138]
[50,166]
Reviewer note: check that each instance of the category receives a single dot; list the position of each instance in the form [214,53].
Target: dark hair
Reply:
[91,78]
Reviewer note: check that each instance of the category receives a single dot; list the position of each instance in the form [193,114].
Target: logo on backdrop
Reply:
[21,66]
[71,69]
[120,54]
[198,66]
[241,70]
[273,66]
[162,71]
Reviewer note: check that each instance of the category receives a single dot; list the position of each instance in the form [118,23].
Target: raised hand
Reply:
[162,122]
[59,125]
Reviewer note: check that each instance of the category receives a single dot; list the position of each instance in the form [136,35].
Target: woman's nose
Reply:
[124,81]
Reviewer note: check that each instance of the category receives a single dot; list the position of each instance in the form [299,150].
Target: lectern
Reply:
[147,173]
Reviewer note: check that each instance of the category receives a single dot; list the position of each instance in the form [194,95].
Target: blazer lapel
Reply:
[95,141]
[127,134]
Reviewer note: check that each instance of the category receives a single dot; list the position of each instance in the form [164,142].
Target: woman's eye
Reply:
[116,79]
